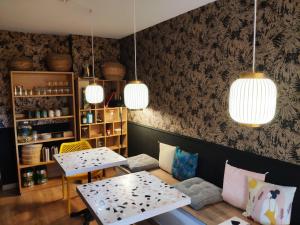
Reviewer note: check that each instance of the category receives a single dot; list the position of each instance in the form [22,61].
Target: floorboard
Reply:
[42,207]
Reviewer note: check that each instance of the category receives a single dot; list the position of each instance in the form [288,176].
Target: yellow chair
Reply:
[73,147]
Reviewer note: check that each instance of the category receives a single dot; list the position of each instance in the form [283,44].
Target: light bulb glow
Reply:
[252,101]
[136,95]
[94,93]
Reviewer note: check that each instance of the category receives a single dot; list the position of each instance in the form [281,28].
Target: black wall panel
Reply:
[212,158]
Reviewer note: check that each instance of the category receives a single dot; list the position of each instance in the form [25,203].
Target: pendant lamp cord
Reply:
[254,36]
[93,57]
[134,39]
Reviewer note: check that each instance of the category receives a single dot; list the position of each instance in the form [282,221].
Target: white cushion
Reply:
[166,157]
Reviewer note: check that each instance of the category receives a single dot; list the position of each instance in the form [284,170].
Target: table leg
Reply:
[85,212]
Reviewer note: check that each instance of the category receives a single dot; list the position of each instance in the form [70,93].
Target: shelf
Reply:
[47,118]
[41,96]
[52,182]
[113,147]
[102,108]
[48,140]
[87,124]
[37,164]
[96,137]
[115,135]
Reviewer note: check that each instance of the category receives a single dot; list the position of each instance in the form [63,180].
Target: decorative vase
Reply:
[113,71]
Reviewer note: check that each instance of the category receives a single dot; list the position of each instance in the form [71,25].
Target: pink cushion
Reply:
[235,185]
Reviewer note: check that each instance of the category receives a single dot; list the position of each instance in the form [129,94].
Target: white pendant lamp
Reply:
[94,92]
[252,97]
[136,94]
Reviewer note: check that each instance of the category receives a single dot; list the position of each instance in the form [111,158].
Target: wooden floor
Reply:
[41,207]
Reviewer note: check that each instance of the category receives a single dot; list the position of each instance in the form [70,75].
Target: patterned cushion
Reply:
[269,203]
[141,162]
[184,165]
[201,192]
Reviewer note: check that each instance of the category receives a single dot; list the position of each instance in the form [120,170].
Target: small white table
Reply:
[87,161]
[130,198]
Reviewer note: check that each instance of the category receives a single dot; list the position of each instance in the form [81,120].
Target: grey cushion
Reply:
[201,192]
[141,162]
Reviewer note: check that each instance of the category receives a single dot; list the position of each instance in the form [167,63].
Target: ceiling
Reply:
[110,18]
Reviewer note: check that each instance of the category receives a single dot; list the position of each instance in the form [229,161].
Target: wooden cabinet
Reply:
[44,101]
[108,126]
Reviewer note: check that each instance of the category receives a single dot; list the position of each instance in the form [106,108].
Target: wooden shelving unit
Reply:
[31,80]
[105,129]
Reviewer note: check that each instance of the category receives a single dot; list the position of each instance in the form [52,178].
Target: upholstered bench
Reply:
[210,215]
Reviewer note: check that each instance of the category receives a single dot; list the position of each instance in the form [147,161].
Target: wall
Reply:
[37,47]
[190,61]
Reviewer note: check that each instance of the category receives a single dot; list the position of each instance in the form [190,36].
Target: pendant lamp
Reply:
[252,97]
[136,94]
[94,92]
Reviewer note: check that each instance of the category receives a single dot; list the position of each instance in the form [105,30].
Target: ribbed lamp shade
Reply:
[136,95]
[252,100]
[94,93]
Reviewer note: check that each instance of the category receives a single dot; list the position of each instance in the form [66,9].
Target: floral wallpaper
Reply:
[34,46]
[190,61]
[105,49]
[37,47]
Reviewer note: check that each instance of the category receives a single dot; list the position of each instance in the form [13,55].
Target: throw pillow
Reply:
[269,203]
[184,165]
[166,157]
[235,185]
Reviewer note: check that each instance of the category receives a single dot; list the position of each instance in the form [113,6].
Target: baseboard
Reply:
[7,187]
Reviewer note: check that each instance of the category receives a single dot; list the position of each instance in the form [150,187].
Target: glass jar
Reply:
[41,176]
[27,178]
[24,132]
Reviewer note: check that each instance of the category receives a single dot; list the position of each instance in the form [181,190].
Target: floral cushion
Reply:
[184,165]
[269,203]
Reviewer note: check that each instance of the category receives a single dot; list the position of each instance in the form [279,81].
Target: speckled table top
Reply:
[89,160]
[130,198]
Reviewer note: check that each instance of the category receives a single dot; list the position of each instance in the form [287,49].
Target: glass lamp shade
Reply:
[252,99]
[136,95]
[94,93]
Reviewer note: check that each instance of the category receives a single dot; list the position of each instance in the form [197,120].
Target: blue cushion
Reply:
[184,165]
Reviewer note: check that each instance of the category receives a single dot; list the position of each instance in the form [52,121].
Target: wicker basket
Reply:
[113,71]
[21,64]
[59,62]
[31,154]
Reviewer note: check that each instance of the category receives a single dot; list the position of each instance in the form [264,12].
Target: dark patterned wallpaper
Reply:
[37,47]
[190,61]
[104,49]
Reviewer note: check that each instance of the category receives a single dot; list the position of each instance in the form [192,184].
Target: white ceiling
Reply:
[111,18]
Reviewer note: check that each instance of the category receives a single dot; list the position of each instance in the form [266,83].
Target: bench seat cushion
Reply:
[141,162]
[211,214]
[201,192]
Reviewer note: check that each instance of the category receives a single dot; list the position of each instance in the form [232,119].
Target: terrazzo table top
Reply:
[130,198]
[89,160]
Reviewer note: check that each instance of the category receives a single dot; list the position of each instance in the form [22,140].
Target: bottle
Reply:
[89,117]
